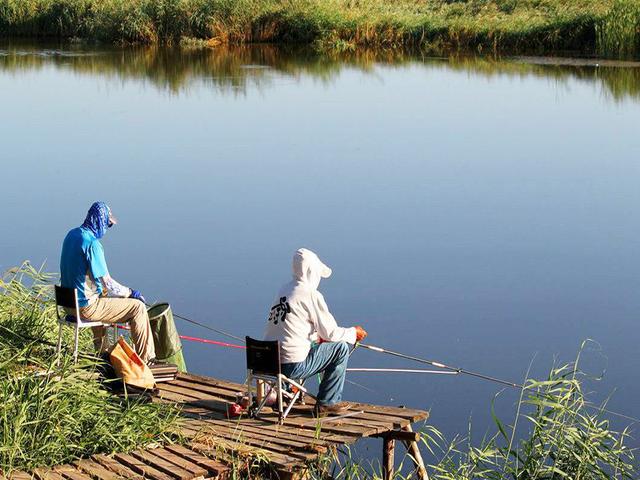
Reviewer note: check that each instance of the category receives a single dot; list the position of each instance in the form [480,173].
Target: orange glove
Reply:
[361,333]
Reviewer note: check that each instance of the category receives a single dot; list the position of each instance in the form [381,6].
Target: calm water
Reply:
[476,212]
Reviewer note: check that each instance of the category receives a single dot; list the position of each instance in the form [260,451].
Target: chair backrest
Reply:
[66,297]
[263,356]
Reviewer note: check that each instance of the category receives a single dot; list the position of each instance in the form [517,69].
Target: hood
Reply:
[308,268]
[98,219]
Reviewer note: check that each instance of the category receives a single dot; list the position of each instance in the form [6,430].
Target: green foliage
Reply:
[505,25]
[55,414]
[618,34]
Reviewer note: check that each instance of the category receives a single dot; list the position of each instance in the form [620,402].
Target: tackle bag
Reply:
[129,366]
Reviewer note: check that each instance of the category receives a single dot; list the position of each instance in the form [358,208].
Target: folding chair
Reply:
[263,363]
[68,298]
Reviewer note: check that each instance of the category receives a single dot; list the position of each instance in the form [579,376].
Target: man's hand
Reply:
[137,295]
[361,333]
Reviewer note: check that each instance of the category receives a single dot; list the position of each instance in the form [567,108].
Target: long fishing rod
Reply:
[402,370]
[441,365]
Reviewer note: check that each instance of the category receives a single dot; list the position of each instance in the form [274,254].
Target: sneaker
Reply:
[335,409]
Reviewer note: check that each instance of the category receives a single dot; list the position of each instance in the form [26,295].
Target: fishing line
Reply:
[221,332]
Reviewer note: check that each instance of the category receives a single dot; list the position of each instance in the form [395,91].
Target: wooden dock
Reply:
[212,438]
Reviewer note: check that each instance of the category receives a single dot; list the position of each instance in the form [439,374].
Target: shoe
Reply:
[336,409]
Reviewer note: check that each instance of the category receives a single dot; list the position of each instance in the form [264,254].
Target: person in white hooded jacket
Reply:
[311,341]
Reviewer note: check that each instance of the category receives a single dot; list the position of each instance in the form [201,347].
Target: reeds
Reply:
[556,434]
[481,25]
[55,414]
[618,34]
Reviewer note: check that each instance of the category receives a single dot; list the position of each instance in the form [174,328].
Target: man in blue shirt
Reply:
[100,297]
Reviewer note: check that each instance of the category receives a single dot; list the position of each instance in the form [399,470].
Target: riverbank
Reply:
[608,27]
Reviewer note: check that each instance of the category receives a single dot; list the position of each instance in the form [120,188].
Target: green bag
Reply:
[165,336]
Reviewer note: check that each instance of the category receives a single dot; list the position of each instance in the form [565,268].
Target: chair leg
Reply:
[59,347]
[280,408]
[75,345]
[291,404]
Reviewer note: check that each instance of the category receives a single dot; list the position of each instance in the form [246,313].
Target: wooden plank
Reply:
[214,382]
[264,442]
[141,467]
[96,470]
[278,459]
[247,429]
[71,473]
[117,467]
[20,476]
[162,465]
[212,466]
[209,389]
[46,474]
[408,413]
[174,459]
[270,422]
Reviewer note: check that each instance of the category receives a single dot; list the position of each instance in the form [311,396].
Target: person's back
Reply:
[81,263]
[310,339]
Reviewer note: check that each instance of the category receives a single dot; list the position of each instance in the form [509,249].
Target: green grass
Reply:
[609,26]
[52,415]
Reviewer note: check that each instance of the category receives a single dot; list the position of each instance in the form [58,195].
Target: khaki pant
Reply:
[120,310]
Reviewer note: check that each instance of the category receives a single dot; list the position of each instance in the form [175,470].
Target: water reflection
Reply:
[235,69]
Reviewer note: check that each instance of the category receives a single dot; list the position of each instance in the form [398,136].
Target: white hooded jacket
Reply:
[300,315]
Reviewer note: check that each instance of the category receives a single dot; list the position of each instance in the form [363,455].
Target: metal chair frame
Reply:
[68,299]
[270,373]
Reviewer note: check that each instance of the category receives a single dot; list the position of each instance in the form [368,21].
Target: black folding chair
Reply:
[68,299]
[263,364]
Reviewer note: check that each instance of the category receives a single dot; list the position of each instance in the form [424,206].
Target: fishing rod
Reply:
[441,365]
[402,370]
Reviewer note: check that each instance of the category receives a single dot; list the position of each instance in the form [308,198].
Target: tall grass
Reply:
[618,34]
[483,25]
[54,414]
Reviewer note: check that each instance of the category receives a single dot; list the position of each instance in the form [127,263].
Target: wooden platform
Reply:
[211,436]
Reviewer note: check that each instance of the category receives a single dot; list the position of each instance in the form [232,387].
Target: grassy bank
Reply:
[52,415]
[611,27]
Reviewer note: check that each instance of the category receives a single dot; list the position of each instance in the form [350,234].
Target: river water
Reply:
[482,213]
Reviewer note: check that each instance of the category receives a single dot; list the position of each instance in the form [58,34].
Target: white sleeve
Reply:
[326,326]
[114,289]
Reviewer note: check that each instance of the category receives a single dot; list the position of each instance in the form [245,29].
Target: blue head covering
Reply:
[97,220]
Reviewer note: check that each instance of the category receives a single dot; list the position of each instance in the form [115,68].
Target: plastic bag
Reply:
[130,367]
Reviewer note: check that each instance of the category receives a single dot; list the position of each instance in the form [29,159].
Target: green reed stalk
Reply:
[618,34]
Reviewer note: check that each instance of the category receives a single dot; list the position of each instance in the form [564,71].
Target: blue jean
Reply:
[330,358]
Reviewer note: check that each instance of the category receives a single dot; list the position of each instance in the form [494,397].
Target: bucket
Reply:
[165,336]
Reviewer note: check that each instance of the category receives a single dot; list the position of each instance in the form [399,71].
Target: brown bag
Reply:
[130,367]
